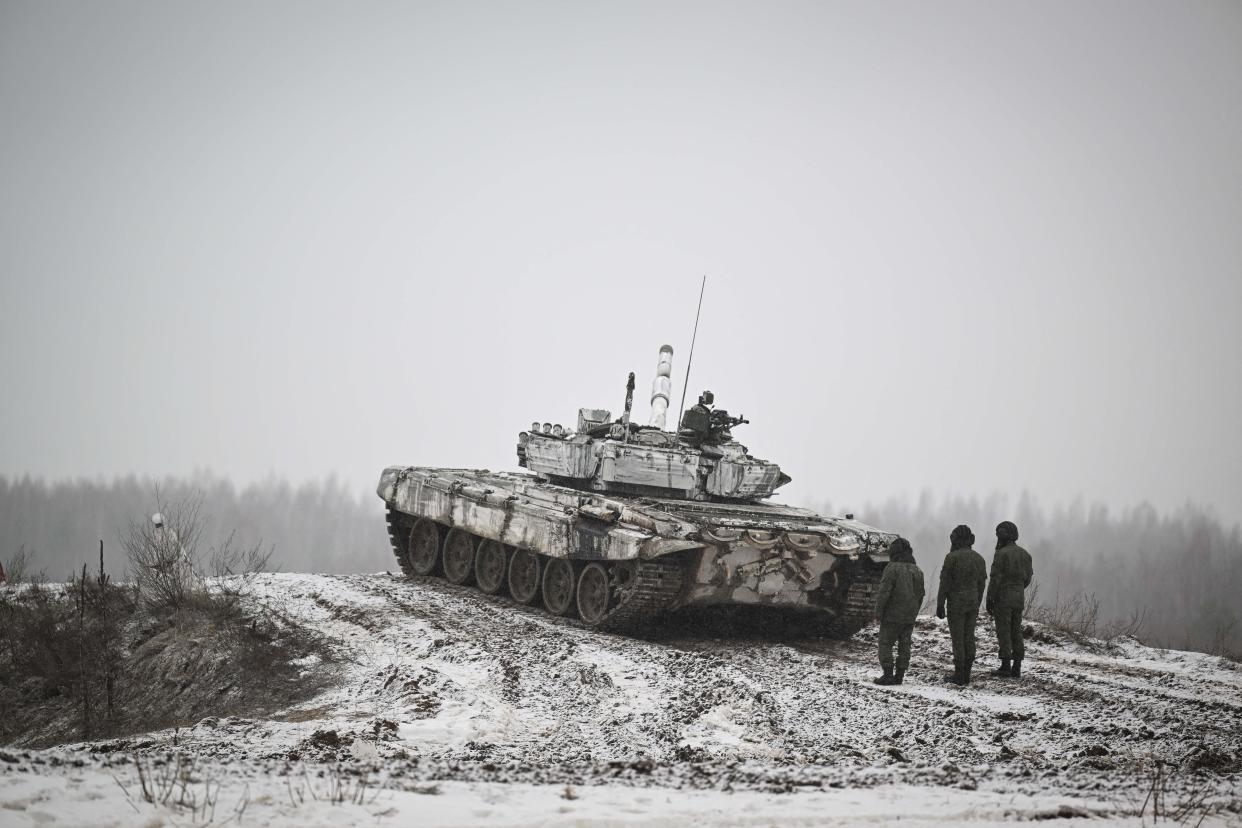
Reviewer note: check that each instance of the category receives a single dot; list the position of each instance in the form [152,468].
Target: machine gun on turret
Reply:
[721,423]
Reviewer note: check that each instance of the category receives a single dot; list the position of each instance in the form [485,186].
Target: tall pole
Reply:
[682,408]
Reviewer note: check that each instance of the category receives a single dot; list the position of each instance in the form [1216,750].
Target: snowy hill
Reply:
[448,707]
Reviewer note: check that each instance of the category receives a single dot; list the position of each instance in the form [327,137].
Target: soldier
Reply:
[897,604]
[1011,575]
[962,579]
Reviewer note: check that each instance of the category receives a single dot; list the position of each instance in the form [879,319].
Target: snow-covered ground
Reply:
[95,799]
[451,708]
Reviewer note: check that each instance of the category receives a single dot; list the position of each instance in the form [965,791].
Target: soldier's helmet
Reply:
[900,550]
[961,536]
[707,398]
[1006,531]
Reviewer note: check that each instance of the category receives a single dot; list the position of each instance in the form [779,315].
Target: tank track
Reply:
[398,535]
[656,585]
[653,589]
[857,609]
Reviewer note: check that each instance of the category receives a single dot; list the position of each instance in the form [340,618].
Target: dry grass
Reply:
[1078,615]
[175,783]
[1178,797]
[334,785]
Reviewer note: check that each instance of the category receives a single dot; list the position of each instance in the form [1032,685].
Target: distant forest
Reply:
[318,526]
[1181,571]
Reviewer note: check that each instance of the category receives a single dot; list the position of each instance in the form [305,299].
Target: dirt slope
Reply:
[480,686]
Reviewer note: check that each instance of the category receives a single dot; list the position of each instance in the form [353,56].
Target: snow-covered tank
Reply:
[617,523]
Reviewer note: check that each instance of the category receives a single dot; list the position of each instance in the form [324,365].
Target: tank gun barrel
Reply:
[661,387]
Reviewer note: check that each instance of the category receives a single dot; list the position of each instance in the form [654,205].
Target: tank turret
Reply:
[699,461]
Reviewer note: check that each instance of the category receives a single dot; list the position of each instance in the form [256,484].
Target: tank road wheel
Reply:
[523,575]
[490,562]
[424,547]
[558,586]
[459,556]
[593,594]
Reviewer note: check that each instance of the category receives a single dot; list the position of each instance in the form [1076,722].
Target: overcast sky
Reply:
[958,247]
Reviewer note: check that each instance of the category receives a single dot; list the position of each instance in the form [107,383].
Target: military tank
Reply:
[618,523]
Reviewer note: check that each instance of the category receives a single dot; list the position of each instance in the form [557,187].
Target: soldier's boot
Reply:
[956,676]
[1017,668]
[1004,670]
[966,673]
[899,676]
[885,679]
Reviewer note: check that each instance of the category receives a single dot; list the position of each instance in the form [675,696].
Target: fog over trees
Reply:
[1180,570]
[317,526]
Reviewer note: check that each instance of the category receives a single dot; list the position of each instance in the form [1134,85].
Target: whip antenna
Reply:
[690,359]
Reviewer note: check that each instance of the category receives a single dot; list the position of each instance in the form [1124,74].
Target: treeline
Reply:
[1180,573]
[317,526]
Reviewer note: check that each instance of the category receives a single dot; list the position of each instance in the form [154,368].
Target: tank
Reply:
[617,523]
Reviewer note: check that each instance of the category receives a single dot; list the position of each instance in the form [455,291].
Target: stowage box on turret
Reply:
[617,523]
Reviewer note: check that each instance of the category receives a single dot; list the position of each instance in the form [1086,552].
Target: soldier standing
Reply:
[1011,575]
[897,604]
[962,580]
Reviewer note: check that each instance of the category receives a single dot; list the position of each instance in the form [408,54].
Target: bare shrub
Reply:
[161,552]
[178,784]
[1175,796]
[1075,614]
[32,625]
[1225,631]
[234,568]
[1133,626]
[64,643]
[171,569]
[1078,614]
[19,567]
[339,785]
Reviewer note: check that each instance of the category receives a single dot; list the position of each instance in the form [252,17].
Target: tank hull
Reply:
[654,555]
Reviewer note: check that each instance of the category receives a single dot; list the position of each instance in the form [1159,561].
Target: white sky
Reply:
[964,247]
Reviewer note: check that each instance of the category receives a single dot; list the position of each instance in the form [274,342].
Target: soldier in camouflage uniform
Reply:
[962,580]
[1011,575]
[897,604]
